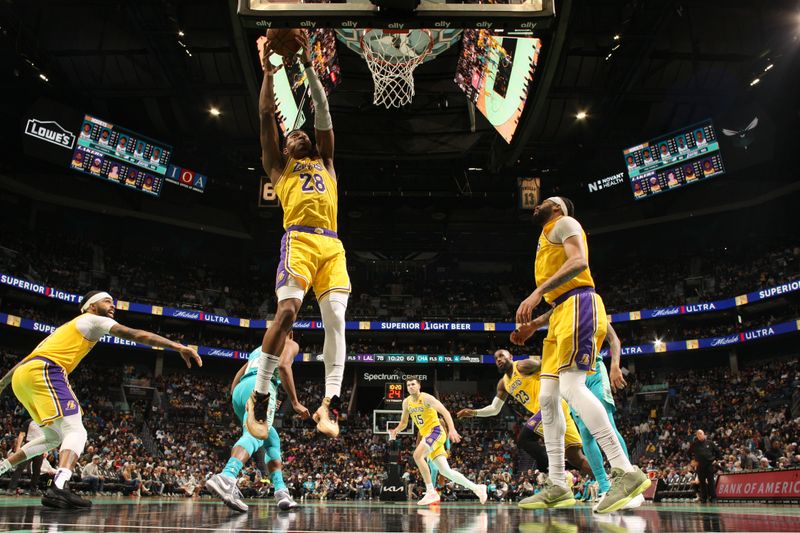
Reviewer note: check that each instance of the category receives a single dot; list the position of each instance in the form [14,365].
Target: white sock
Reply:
[334,349]
[453,475]
[554,425]
[62,476]
[5,466]
[429,487]
[266,367]
[594,415]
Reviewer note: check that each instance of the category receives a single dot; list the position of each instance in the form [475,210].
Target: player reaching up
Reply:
[424,410]
[312,256]
[41,385]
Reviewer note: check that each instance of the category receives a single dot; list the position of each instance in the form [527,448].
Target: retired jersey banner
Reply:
[771,485]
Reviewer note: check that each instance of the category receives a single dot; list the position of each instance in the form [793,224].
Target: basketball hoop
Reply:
[392,56]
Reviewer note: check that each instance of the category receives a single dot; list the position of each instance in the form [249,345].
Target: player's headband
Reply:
[560,203]
[94,299]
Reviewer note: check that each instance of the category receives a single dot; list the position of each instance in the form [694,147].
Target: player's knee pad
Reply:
[249,443]
[333,307]
[73,433]
[49,440]
[549,400]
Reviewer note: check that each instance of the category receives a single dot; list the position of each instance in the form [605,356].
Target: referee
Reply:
[705,453]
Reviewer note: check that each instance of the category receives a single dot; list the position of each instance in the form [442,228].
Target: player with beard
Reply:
[577,328]
[41,385]
[312,256]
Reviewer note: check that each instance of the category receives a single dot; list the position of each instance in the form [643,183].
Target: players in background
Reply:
[311,253]
[424,410]
[224,483]
[576,331]
[521,380]
[600,385]
[40,384]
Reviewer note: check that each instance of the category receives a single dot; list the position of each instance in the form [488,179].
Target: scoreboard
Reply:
[394,392]
[115,154]
[673,160]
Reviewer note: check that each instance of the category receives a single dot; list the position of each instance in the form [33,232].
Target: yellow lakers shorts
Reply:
[43,389]
[435,440]
[314,257]
[577,329]
[572,436]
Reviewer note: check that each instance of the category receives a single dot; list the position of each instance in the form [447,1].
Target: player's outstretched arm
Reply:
[442,410]
[151,339]
[576,263]
[490,410]
[323,124]
[290,350]
[403,421]
[271,157]
[615,375]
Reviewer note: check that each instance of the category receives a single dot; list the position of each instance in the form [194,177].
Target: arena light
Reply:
[215,112]
[180,33]
[657,343]
[43,77]
[251,168]
[755,82]
[616,36]
[768,67]
[581,115]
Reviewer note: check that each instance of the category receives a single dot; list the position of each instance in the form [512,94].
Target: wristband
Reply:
[307,64]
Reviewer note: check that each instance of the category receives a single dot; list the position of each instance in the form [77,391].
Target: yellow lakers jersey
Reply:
[65,346]
[524,388]
[424,417]
[549,258]
[308,194]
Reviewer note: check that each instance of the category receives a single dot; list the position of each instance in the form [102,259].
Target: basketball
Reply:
[283,41]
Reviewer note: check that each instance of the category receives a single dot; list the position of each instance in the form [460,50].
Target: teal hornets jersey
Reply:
[599,383]
[253,362]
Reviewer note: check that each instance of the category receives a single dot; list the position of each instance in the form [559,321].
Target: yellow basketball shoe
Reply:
[327,417]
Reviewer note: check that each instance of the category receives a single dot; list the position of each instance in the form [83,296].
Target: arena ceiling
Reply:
[671,64]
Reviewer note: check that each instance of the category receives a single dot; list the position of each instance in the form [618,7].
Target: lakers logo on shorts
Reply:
[431,439]
[585,359]
[71,405]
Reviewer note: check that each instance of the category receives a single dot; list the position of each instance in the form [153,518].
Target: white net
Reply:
[392,58]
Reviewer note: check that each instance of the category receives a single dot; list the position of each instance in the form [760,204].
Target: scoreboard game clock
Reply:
[395,392]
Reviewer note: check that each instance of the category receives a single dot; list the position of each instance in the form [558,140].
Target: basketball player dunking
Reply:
[312,256]
[576,331]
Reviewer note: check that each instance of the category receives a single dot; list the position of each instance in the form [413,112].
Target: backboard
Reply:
[514,17]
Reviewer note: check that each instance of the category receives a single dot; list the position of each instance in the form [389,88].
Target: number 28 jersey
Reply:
[308,194]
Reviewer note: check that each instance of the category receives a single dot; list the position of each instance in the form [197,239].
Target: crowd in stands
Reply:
[174,439]
[243,289]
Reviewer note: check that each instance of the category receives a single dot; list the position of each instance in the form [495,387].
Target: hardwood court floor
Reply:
[129,515]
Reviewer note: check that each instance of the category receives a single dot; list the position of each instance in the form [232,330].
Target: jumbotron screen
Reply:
[495,73]
[290,82]
[118,155]
[674,160]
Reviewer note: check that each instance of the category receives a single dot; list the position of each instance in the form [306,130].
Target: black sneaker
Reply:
[64,499]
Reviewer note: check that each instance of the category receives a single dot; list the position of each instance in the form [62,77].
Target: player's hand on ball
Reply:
[301,411]
[455,438]
[617,379]
[266,65]
[465,413]
[188,355]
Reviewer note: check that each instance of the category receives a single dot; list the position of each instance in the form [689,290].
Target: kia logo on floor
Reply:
[50,131]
